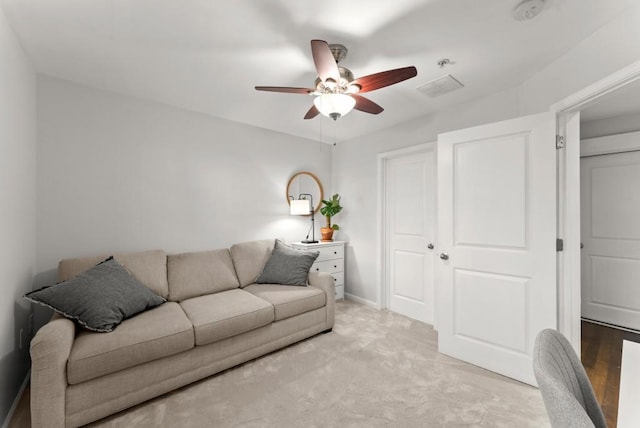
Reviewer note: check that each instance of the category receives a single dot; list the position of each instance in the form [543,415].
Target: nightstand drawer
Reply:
[338,278]
[330,260]
[330,266]
[333,252]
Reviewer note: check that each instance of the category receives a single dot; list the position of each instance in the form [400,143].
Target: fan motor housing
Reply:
[346,77]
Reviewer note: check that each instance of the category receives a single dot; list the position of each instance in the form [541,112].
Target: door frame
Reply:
[382,286]
[568,116]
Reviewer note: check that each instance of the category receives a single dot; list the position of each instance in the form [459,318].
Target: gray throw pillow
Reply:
[100,298]
[287,266]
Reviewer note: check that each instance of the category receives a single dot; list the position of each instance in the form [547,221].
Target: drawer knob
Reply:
[334,279]
[335,266]
[335,252]
[318,269]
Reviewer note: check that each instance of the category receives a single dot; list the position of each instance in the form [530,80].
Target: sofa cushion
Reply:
[100,298]
[196,274]
[249,259]
[148,267]
[225,314]
[154,334]
[287,266]
[289,301]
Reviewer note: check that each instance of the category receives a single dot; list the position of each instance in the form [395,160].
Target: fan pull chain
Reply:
[334,132]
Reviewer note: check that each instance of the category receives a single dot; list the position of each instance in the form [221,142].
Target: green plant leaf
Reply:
[331,206]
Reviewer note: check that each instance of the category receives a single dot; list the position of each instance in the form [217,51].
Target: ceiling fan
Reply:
[336,91]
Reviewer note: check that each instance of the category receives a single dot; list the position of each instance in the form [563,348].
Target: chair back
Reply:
[566,391]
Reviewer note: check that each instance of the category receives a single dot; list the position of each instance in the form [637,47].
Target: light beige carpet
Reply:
[376,369]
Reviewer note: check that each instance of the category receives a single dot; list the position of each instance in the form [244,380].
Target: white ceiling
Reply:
[207,55]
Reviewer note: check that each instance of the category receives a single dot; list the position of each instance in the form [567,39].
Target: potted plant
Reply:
[329,209]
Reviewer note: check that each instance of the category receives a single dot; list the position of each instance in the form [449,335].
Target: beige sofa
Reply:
[215,318]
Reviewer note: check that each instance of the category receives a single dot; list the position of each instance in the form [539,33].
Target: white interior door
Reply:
[611,236]
[497,242]
[410,226]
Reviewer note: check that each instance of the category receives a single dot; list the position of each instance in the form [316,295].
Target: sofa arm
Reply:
[50,349]
[325,282]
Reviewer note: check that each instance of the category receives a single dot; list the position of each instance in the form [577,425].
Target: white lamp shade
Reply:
[332,104]
[300,207]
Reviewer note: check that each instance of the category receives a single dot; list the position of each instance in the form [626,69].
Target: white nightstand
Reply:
[331,260]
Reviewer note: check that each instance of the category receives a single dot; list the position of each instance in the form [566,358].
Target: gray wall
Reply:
[117,173]
[610,126]
[17,210]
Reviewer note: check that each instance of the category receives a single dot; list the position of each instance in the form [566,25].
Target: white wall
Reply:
[120,174]
[607,50]
[17,209]
[610,126]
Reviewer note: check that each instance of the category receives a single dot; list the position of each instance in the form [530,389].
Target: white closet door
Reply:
[410,197]
[497,242]
[610,205]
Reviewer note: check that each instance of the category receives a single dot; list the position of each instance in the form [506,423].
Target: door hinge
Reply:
[559,244]
[559,142]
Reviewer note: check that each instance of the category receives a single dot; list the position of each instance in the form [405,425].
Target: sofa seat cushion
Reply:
[225,314]
[153,334]
[289,301]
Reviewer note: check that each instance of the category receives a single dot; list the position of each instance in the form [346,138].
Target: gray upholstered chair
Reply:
[565,387]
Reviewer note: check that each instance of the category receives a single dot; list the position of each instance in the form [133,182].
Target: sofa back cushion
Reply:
[148,267]
[249,259]
[196,274]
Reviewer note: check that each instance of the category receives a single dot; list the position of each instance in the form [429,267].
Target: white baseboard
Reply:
[365,302]
[25,382]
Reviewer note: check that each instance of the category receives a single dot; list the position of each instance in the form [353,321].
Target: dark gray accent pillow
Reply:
[287,266]
[100,298]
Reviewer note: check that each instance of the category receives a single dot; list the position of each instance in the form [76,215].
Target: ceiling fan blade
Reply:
[385,78]
[366,105]
[326,65]
[313,112]
[285,89]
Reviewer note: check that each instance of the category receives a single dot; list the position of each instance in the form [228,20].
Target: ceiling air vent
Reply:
[440,86]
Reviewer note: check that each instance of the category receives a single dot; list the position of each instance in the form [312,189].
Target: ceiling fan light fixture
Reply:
[334,105]
[353,88]
[330,84]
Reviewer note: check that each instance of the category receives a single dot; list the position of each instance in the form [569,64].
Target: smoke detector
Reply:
[528,9]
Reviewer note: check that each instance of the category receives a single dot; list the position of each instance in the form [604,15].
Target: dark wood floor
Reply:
[601,358]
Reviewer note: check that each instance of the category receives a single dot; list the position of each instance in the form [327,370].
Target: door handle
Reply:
[444,256]
[430,246]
